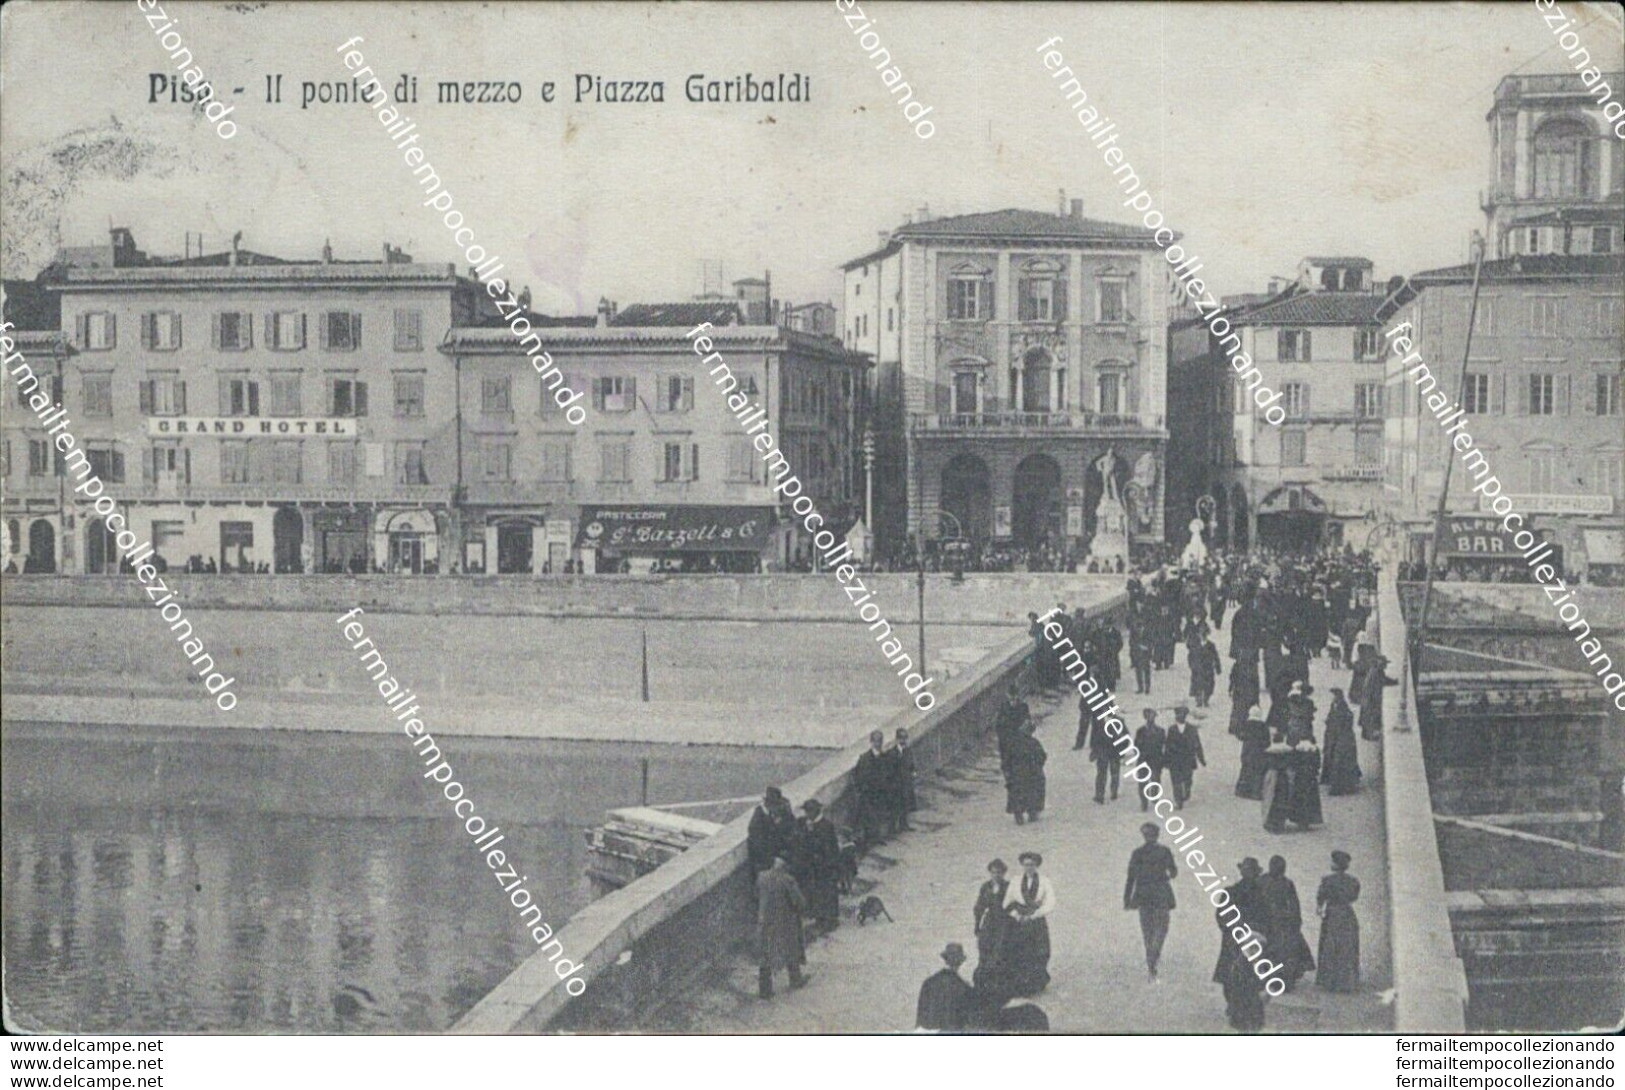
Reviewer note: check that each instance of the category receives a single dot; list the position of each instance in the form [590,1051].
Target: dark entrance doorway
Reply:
[41,547]
[100,548]
[967,494]
[514,548]
[1036,502]
[288,539]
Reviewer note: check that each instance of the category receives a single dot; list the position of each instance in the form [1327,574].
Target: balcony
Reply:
[1015,424]
[367,490]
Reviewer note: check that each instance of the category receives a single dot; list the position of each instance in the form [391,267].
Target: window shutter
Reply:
[149,465]
[118,466]
[1592,391]
[271,340]
[688,393]
[1060,300]
[146,397]
[245,330]
[322,321]
[81,330]
[1024,300]
[360,398]
[1564,390]
[1523,394]
[1303,397]
[328,386]
[1498,395]
[214,330]
[1133,396]
[149,324]
[225,396]
[180,398]
[990,310]
[1308,346]
[598,394]
[694,462]
[302,329]
[631,392]
[175,330]
[663,395]
[355,330]
[253,399]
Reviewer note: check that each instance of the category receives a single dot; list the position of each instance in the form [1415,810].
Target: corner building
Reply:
[1014,351]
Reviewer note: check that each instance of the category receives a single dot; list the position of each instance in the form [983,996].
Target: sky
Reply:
[1265,132]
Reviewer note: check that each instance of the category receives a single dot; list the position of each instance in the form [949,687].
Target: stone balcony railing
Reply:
[1045,423]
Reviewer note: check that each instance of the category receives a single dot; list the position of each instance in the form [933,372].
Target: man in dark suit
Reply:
[945,998]
[1182,752]
[1150,740]
[872,778]
[1151,871]
[770,828]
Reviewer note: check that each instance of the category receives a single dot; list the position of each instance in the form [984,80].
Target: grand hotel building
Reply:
[253,413]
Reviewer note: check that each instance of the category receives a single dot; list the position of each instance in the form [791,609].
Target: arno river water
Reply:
[164,880]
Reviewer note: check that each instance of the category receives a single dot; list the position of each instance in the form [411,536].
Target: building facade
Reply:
[1542,389]
[1315,479]
[1020,364]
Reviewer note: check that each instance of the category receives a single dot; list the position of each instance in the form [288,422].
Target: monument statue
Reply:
[1110,542]
[1195,553]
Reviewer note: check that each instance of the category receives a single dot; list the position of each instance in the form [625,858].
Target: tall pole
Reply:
[919,542]
[1450,462]
[646,664]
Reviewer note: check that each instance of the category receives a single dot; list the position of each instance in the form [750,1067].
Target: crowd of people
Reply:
[1283,612]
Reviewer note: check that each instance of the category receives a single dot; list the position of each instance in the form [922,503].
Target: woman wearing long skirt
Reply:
[1024,965]
[991,925]
[1339,928]
[1255,739]
[1284,943]
[1024,777]
[1341,770]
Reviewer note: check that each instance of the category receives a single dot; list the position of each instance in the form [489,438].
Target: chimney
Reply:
[884,236]
[1077,209]
[524,299]
[924,214]
[389,253]
[235,239]
[767,298]
[606,311]
[327,251]
[1061,196]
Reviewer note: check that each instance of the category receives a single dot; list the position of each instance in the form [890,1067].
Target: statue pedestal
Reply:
[1111,531]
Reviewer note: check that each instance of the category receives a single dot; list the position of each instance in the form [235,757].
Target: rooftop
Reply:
[1315,308]
[1012,224]
[687,315]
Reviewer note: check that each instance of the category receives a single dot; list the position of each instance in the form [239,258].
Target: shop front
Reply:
[676,538]
[1477,548]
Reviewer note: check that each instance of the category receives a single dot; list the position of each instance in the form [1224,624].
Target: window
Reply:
[1109,394]
[557,383]
[1484,320]
[39,457]
[1542,395]
[682,462]
[98,331]
[965,384]
[1607,396]
[287,462]
[1293,345]
[285,400]
[496,460]
[1476,395]
[1294,448]
[1368,400]
[161,331]
[1608,474]
[615,394]
[341,331]
[239,396]
[496,394]
[1368,448]
[1113,303]
[1605,315]
[106,462]
[1542,470]
[98,394]
[555,460]
[341,462]
[168,463]
[233,331]
[1295,398]
[409,467]
[346,396]
[1564,160]
[970,298]
[1367,344]
[233,461]
[285,330]
[676,394]
[1532,241]
[1042,299]
[1602,240]
[1545,314]
[615,460]
[408,331]
[163,395]
[741,460]
[409,395]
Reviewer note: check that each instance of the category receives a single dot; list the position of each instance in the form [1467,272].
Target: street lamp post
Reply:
[869,481]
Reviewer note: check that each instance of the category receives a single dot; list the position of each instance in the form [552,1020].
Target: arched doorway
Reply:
[41,547]
[967,494]
[288,540]
[1035,381]
[1239,509]
[1036,502]
[101,550]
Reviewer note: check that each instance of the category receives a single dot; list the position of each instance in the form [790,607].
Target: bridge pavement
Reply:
[867,979]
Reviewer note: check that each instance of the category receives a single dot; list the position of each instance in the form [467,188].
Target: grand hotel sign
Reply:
[248,427]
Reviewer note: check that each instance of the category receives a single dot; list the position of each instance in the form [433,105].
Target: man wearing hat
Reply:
[771,826]
[1182,752]
[1150,741]
[1151,870]
[815,864]
[945,998]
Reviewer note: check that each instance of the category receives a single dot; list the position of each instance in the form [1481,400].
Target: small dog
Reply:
[872,908]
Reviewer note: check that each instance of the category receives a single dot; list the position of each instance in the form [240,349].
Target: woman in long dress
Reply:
[1028,902]
[1024,777]
[1284,943]
[1339,928]
[1341,771]
[991,924]
[1255,739]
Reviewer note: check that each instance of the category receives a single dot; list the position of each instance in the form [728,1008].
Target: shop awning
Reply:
[1292,499]
[646,530]
[1605,546]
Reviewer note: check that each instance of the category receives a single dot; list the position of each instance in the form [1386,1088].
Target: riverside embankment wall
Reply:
[640,945]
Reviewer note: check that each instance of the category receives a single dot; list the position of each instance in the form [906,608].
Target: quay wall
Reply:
[641,944]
